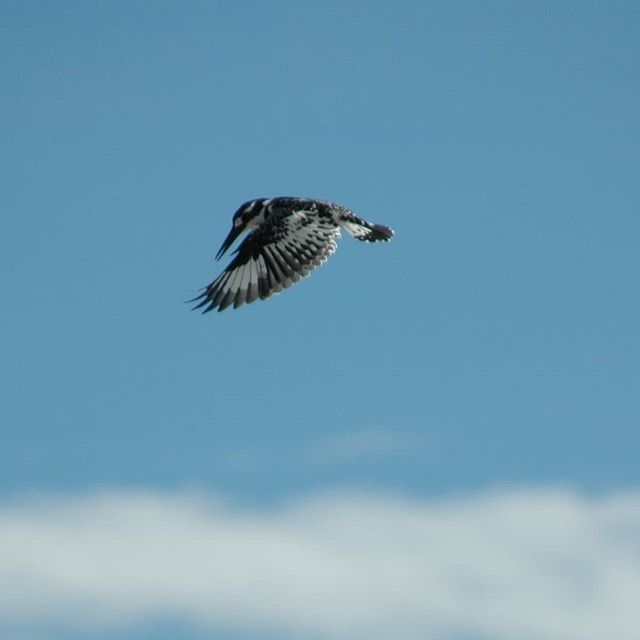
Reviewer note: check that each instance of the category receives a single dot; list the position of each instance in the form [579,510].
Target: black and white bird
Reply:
[289,237]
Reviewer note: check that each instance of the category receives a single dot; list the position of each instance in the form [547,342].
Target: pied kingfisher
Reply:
[289,238]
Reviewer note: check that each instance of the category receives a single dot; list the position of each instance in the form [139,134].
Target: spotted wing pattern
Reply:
[275,256]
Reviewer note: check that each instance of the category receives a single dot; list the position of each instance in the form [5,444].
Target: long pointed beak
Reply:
[228,241]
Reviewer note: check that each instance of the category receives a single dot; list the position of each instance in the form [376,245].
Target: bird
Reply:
[288,238]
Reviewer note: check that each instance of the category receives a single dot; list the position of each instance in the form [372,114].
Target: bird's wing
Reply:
[272,258]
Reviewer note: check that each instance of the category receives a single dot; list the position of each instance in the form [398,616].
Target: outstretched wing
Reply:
[272,258]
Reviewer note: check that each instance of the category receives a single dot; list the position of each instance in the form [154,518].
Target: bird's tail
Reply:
[364,230]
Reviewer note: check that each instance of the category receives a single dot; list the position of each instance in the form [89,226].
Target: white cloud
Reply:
[371,445]
[365,445]
[526,564]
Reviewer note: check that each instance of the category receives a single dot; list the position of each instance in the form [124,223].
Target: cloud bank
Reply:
[527,564]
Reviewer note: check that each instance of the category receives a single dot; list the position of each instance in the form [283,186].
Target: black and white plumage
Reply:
[289,237]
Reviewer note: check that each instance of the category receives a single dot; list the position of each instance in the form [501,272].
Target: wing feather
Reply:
[278,279]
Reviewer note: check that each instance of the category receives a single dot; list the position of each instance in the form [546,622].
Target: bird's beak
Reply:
[228,241]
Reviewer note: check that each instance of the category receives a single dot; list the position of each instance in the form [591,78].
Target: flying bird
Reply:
[289,237]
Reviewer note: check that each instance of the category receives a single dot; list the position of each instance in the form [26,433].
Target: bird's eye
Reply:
[237,221]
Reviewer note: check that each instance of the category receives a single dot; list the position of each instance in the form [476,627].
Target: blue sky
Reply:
[492,345]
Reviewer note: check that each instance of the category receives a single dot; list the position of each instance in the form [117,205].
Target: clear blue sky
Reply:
[494,342]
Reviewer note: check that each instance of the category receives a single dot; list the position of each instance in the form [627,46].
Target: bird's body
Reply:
[289,238]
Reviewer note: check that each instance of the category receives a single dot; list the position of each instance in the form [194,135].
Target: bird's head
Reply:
[248,216]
